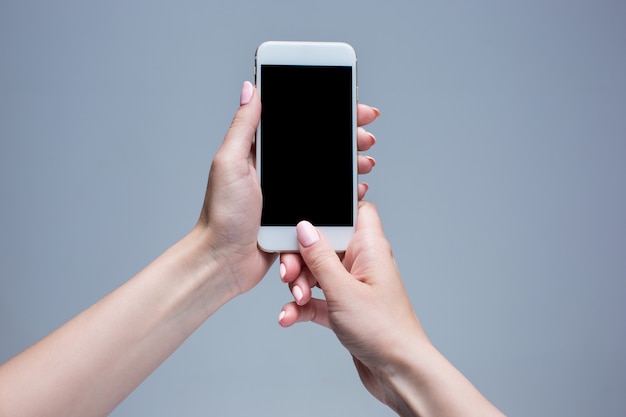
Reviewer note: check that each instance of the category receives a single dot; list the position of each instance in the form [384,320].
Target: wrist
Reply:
[200,273]
[405,373]
[184,286]
[424,383]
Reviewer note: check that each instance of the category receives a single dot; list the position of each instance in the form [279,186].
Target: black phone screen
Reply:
[306,145]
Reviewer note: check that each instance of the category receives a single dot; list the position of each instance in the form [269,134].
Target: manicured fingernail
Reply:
[297,294]
[282,270]
[377,112]
[372,138]
[246,93]
[372,160]
[282,315]
[307,234]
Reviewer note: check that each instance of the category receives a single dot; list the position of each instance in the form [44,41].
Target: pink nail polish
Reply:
[372,138]
[281,316]
[297,294]
[307,234]
[246,93]
[282,270]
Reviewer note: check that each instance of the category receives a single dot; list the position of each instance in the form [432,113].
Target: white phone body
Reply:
[306,146]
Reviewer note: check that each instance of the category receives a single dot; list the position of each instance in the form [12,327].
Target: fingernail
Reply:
[307,234]
[372,160]
[246,93]
[282,270]
[377,112]
[297,294]
[372,138]
[282,315]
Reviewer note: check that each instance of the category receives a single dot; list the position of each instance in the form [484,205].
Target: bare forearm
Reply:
[90,364]
[427,384]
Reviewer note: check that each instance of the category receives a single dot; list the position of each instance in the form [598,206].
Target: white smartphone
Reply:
[306,151]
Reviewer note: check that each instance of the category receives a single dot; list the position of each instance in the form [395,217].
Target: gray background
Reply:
[500,179]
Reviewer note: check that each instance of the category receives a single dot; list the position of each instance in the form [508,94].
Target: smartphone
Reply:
[306,152]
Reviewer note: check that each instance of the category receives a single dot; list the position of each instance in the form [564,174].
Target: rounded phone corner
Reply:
[266,249]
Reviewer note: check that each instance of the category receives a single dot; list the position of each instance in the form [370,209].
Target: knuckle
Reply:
[320,261]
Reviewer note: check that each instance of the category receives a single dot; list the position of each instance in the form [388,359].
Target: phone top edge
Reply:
[304,43]
[276,50]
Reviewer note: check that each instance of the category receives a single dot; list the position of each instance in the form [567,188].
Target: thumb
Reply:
[319,256]
[240,135]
